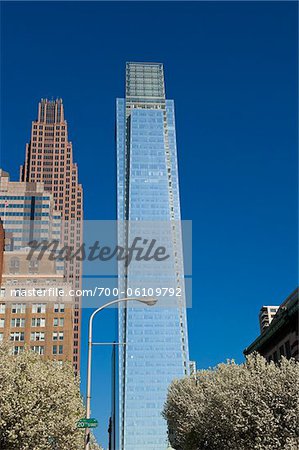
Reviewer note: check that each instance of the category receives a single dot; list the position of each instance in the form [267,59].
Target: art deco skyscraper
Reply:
[156,341]
[49,158]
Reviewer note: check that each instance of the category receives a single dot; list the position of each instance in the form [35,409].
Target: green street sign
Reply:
[87,423]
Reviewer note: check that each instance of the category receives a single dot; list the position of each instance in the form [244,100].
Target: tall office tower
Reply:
[155,338]
[49,158]
[266,315]
[28,213]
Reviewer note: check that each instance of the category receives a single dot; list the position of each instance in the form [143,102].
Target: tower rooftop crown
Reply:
[145,80]
[50,111]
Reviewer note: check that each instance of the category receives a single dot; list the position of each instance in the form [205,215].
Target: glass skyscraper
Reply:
[155,338]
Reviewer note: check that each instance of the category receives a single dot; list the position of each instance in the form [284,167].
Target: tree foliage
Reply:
[40,403]
[252,406]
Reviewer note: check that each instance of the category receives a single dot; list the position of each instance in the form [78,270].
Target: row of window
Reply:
[39,145]
[36,336]
[51,134]
[37,308]
[56,349]
[14,263]
[35,322]
[57,139]
[25,214]
[40,349]
[284,350]
[22,197]
[23,205]
[48,128]
[21,222]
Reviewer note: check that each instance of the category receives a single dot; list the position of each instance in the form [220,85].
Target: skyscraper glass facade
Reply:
[156,342]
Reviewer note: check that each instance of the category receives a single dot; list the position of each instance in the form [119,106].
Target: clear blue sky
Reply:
[232,70]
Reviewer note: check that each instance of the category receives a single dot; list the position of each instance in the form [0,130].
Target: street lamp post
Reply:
[150,301]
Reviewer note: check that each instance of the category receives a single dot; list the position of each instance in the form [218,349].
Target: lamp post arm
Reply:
[88,388]
[113,302]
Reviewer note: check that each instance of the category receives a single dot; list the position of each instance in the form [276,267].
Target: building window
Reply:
[39,308]
[1,337]
[38,322]
[2,308]
[57,349]
[18,308]
[17,322]
[2,323]
[17,349]
[57,335]
[14,265]
[40,349]
[37,336]
[17,336]
[2,292]
[58,321]
[59,308]
[33,266]
[287,349]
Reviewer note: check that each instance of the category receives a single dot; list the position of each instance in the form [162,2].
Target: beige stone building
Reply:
[36,308]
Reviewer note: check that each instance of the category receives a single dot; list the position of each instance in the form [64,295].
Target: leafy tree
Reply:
[93,443]
[252,406]
[40,403]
